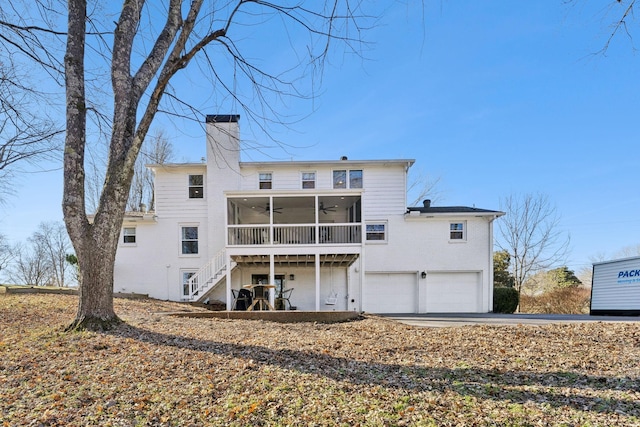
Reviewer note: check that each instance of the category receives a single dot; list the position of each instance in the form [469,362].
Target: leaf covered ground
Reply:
[158,370]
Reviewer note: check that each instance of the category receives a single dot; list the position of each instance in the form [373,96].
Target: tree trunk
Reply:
[96,259]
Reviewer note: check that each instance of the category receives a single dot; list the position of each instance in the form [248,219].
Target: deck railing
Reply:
[294,234]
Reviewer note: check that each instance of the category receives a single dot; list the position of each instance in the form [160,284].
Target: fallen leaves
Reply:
[159,370]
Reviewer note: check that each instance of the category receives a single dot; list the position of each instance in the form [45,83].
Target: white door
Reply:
[390,293]
[454,292]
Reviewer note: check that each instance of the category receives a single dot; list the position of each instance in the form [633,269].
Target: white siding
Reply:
[385,191]
[384,185]
[172,193]
[152,266]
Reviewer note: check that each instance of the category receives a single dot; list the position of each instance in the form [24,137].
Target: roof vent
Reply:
[427,203]
[344,158]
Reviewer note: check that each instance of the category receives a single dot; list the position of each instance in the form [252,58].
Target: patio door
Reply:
[264,278]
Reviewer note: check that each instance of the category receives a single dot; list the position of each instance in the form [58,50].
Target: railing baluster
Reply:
[295,234]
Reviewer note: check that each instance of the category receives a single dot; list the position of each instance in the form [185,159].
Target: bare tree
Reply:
[142,61]
[27,134]
[155,150]
[6,254]
[30,265]
[530,233]
[421,186]
[53,243]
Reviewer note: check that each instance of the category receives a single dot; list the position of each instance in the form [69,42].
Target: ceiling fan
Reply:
[325,210]
[267,208]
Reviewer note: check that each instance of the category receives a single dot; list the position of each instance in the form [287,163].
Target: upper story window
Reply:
[457,231]
[340,178]
[129,235]
[189,240]
[196,186]
[265,180]
[376,232]
[355,178]
[308,180]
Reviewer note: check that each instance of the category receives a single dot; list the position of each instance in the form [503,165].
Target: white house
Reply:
[337,231]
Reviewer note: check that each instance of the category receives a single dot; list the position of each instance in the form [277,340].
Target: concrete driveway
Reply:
[453,320]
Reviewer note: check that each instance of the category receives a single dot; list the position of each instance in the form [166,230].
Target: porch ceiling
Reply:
[326,260]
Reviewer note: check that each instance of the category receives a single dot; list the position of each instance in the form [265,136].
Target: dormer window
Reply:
[308,180]
[265,180]
[196,186]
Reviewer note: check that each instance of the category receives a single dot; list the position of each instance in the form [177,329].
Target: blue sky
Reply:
[493,98]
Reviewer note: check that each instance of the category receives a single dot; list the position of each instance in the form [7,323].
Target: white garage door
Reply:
[390,293]
[453,293]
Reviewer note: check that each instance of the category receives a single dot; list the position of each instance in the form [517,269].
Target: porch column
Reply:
[272,279]
[317,265]
[227,260]
[360,303]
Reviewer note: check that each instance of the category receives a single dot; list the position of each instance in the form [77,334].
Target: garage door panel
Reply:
[453,292]
[390,293]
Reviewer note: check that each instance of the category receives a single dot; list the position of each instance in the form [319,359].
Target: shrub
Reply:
[505,300]
[573,300]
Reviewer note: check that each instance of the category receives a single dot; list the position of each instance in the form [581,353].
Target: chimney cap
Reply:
[222,118]
[344,158]
[426,203]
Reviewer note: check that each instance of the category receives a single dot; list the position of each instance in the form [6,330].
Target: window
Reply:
[308,180]
[189,240]
[129,235]
[376,232]
[186,275]
[456,231]
[355,179]
[340,178]
[196,186]
[265,180]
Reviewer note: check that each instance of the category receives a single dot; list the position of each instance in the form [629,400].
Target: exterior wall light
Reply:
[423,274]
[292,277]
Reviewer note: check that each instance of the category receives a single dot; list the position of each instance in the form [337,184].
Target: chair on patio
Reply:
[283,298]
[242,299]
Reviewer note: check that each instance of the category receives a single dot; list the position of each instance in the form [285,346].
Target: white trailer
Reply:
[615,287]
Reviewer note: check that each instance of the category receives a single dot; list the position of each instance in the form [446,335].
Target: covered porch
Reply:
[320,281]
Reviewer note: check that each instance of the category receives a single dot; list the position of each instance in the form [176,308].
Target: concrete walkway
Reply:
[453,320]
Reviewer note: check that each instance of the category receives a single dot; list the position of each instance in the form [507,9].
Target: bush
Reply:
[573,300]
[505,300]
